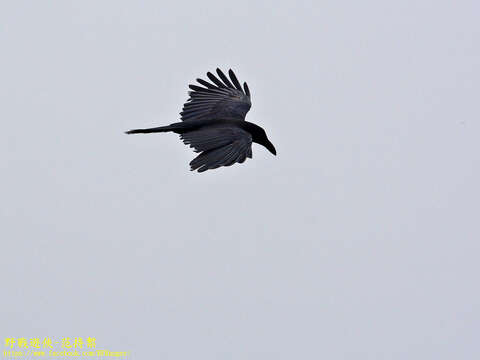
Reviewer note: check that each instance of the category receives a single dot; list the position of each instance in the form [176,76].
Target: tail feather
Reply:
[176,127]
[150,130]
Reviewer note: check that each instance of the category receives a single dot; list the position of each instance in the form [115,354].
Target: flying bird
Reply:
[213,123]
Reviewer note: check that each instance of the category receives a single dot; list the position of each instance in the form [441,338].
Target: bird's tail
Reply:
[172,127]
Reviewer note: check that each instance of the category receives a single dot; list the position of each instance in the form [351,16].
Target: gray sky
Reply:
[360,240]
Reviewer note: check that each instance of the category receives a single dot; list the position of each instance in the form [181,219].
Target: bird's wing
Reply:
[224,99]
[223,146]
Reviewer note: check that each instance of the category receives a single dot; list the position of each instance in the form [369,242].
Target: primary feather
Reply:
[220,100]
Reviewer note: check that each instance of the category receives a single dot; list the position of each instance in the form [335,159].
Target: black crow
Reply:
[213,123]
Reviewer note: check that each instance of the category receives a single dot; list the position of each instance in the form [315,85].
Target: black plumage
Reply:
[213,123]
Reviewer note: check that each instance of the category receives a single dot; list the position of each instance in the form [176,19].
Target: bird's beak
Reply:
[270,147]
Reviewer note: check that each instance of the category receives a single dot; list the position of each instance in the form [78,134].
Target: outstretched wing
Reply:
[224,99]
[220,146]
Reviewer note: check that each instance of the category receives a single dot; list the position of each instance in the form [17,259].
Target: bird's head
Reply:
[259,136]
[262,139]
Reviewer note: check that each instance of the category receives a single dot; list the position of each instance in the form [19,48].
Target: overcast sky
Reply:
[360,240]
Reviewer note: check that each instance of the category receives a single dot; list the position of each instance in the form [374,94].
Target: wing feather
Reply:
[215,80]
[235,80]
[247,90]
[220,146]
[223,99]
[206,83]
[224,78]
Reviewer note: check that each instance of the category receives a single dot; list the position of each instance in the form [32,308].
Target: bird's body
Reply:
[213,123]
